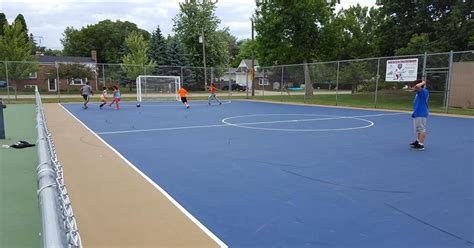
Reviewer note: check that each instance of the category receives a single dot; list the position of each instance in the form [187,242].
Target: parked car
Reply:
[237,87]
[3,84]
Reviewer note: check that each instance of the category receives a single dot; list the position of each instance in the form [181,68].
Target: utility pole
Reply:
[203,41]
[252,65]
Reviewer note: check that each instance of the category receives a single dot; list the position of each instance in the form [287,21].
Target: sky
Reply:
[47,19]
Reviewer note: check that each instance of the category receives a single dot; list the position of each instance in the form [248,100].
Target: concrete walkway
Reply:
[114,205]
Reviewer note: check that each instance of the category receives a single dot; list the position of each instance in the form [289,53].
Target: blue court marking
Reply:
[278,188]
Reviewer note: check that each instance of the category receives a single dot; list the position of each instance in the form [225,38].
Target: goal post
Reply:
[158,88]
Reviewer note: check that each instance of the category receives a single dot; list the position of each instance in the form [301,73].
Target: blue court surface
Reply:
[273,175]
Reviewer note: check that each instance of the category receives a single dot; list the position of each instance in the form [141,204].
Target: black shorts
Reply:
[86,97]
[183,99]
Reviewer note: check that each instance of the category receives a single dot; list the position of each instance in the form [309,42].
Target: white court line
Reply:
[178,103]
[258,123]
[168,196]
[162,129]
[243,125]
[299,120]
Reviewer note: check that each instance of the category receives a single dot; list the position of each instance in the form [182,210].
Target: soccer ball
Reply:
[138,105]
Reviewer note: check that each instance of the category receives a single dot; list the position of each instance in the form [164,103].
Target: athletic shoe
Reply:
[187,107]
[220,103]
[419,147]
[209,103]
[414,143]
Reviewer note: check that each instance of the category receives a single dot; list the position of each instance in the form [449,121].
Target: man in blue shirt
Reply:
[420,114]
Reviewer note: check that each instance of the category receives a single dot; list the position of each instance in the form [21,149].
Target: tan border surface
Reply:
[114,205]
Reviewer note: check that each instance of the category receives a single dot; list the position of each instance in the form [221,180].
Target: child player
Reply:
[103,97]
[182,94]
[212,89]
[117,97]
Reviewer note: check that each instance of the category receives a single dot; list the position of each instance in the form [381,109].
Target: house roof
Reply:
[248,63]
[68,59]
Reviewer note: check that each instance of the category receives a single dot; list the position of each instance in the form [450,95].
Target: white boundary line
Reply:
[332,117]
[242,125]
[181,208]
[162,129]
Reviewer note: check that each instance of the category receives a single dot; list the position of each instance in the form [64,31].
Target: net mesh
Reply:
[157,88]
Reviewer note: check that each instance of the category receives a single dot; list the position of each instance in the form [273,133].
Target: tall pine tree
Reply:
[157,51]
[3,22]
[177,57]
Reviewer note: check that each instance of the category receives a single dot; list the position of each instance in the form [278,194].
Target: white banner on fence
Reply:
[401,70]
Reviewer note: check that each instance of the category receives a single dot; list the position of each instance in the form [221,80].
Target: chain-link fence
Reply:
[367,83]
[59,223]
[358,83]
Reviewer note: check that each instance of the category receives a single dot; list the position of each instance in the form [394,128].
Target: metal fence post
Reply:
[247,82]
[377,82]
[8,84]
[423,75]
[263,84]
[337,83]
[2,123]
[57,77]
[448,81]
[96,78]
[103,74]
[281,85]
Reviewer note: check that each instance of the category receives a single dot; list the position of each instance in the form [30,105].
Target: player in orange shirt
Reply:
[182,94]
[212,89]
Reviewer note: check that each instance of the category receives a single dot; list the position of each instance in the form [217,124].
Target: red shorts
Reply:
[116,99]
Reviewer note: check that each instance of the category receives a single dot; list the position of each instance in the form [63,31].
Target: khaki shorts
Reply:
[419,124]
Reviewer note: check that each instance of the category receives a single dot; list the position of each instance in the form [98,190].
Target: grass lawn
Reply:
[397,101]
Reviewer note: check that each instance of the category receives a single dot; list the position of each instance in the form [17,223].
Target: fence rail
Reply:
[58,221]
[363,79]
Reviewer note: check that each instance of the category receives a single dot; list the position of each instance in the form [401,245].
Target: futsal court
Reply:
[261,174]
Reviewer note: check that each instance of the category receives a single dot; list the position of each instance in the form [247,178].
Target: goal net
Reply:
[157,88]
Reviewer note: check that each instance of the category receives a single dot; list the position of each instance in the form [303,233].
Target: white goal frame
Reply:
[141,79]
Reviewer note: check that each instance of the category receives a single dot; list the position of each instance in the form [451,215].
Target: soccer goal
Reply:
[157,88]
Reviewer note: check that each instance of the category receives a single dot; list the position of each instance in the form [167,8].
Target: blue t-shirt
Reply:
[420,106]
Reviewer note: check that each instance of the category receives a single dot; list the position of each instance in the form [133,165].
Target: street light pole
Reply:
[204,57]
[252,65]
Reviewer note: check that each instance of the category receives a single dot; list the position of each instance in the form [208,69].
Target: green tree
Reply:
[419,43]
[356,28]
[52,52]
[15,46]
[3,22]
[157,50]
[75,71]
[245,48]
[291,32]
[197,18]
[447,23]
[231,41]
[177,58]
[106,37]
[24,28]
[355,74]
[136,60]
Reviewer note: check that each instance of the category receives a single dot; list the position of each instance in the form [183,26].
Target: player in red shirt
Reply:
[212,89]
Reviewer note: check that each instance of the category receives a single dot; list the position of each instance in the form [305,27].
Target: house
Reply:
[241,74]
[73,72]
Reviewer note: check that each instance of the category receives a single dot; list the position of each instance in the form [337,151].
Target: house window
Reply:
[263,81]
[51,84]
[78,81]
[33,75]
